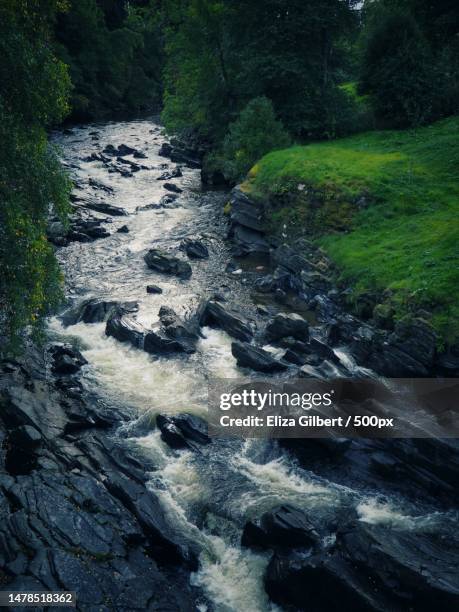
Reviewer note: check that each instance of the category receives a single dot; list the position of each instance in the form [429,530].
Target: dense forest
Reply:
[238,77]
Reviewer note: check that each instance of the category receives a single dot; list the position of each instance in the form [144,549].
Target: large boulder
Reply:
[215,314]
[368,568]
[95,310]
[173,334]
[126,329]
[284,325]
[160,261]
[66,359]
[256,358]
[284,526]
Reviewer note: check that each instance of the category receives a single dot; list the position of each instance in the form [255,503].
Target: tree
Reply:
[34,88]
[411,77]
[252,135]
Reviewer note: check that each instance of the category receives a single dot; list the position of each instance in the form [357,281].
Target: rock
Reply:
[124,229]
[170,433]
[105,208]
[215,314]
[248,356]
[194,248]
[154,289]
[245,212]
[170,174]
[66,359]
[95,311]
[183,431]
[284,325]
[26,437]
[125,329]
[161,261]
[369,568]
[172,187]
[181,155]
[247,241]
[213,177]
[283,527]
[120,151]
[416,338]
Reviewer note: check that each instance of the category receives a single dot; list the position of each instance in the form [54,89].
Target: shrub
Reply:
[252,135]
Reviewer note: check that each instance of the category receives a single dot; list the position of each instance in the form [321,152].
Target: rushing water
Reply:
[208,496]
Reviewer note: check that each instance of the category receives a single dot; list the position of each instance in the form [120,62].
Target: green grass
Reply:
[407,238]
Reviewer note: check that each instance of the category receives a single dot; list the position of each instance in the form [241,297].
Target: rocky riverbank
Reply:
[76,514]
[403,348]
[109,483]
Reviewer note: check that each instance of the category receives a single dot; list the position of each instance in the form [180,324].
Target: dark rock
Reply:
[213,177]
[194,248]
[66,359]
[183,431]
[172,187]
[170,433]
[125,329]
[154,289]
[248,356]
[124,229]
[170,174]
[215,314]
[96,311]
[416,338]
[247,241]
[283,527]
[105,208]
[161,261]
[245,212]
[284,325]
[26,437]
[369,568]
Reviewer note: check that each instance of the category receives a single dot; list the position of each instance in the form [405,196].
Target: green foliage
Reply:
[411,76]
[220,54]
[114,54]
[33,94]
[395,199]
[255,133]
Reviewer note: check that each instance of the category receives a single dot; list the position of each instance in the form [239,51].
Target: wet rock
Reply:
[104,208]
[26,437]
[170,433]
[217,315]
[284,325]
[183,431]
[154,289]
[121,150]
[124,229]
[172,187]
[416,338]
[369,568]
[173,334]
[66,359]
[255,358]
[160,261]
[96,311]
[125,329]
[307,449]
[194,248]
[245,212]
[170,174]
[283,527]
[247,241]
[181,154]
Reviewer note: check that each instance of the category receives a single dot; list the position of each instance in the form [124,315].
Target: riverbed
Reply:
[209,496]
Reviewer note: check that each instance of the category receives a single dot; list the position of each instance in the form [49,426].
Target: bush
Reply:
[252,135]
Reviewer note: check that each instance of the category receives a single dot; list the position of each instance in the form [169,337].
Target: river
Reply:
[208,495]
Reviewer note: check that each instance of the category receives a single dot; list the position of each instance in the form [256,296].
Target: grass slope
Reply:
[406,240]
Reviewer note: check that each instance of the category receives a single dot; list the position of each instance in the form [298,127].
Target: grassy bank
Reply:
[385,206]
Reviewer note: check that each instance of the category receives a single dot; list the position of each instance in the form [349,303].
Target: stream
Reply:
[210,495]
